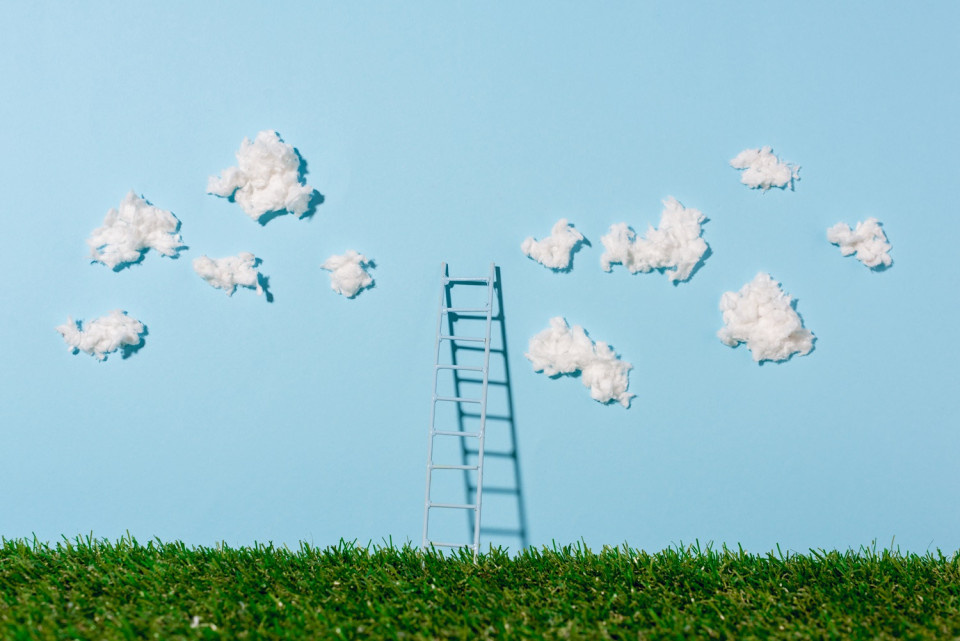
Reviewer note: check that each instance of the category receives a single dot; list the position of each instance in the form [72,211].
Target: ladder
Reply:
[446,312]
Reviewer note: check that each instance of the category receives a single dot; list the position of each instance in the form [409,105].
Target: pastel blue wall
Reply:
[451,131]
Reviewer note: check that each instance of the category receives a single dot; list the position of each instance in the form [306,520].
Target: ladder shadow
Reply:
[504,510]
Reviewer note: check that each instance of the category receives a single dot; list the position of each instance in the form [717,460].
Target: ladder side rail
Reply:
[433,410]
[458,393]
[483,412]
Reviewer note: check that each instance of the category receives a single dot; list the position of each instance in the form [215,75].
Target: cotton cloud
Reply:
[867,241]
[675,245]
[230,272]
[761,316]
[132,229]
[763,170]
[348,273]
[561,349]
[556,250]
[103,335]
[266,178]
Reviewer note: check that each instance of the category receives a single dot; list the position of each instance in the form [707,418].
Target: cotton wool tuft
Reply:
[763,170]
[867,241]
[230,272]
[675,245]
[131,229]
[556,250]
[266,178]
[761,316]
[102,335]
[348,273]
[561,349]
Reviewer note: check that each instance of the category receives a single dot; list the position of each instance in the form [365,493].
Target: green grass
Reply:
[90,589]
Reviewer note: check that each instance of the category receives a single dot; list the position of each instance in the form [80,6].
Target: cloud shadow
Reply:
[129,350]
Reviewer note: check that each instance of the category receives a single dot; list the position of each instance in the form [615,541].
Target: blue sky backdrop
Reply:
[450,132]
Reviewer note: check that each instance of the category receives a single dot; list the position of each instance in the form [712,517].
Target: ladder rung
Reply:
[447,433]
[455,506]
[454,467]
[451,545]
[452,279]
[474,339]
[466,310]
[459,399]
[479,349]
[468,368]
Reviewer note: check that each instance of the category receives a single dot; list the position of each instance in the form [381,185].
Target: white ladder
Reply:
[445,311]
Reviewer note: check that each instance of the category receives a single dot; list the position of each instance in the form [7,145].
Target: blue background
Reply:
[450,132]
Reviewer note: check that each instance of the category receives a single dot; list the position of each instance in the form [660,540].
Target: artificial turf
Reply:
[94,589]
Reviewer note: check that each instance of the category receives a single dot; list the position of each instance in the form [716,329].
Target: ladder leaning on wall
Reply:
[440,369]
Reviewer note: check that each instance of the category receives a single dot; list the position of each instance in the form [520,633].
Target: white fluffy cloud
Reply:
[561,349]
[130,230]
[761,316]
[266,178]
[230,272]
[102,335]
[763,170]
[867,241]
[556,250]
[348,273]
[676,244]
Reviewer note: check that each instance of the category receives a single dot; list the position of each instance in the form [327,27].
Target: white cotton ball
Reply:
[675,246]
[230,272]
[606,376]
[561,349]
[266,178]
[761,316]
[102,335]
[131,229]
[618,244]
[556,250]
[763,170]
[347,273]
[867,241]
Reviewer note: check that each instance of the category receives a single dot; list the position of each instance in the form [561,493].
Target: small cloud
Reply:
[348,273]
[867,241]
[130,230]
[676,244]
[230,272]
[266,178]
[761,315]
[103,335]
[556,250]
[763,170]
[561,349]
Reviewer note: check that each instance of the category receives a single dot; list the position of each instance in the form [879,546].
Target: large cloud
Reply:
[348,273]
[676,245]
[556,250]
[266,178]
[763,170]
[561,349]
[230,272]
[867,241]
[130,230]
[103,335]
[761,316]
